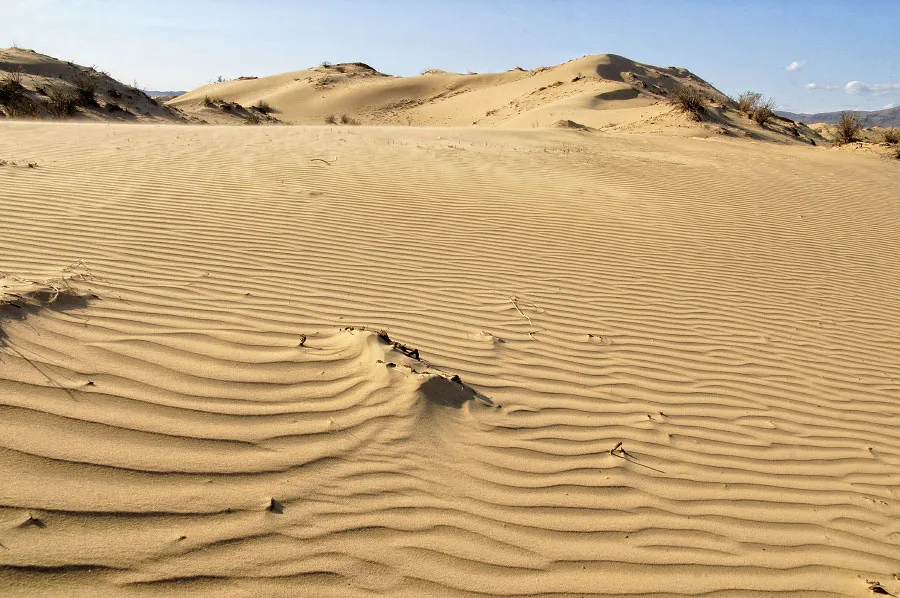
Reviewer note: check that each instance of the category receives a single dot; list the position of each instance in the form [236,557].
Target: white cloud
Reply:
[817,87]
[858,88]
[886,106]
[796,65]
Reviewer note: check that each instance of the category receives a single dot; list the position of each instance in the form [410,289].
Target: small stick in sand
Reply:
[620,452]
[515,301]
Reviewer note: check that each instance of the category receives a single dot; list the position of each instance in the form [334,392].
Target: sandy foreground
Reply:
[728,311]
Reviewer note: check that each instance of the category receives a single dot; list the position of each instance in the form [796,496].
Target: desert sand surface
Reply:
[626,364]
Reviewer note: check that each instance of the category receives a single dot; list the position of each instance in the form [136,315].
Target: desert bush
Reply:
[331,119]
[325,64]
[252,119]
[891,136]
[209,102]
[848,127]
[749,101]
[13,77]
[347,120]
[85,84]
[690,100]
[62,101]
[764,110]
[14,97]
[264,107]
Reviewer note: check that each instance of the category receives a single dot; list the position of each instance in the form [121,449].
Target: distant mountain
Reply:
[168,94]
[889,117]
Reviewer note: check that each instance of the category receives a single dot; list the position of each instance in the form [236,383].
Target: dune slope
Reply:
[676,364]
[579,90]
[34,85]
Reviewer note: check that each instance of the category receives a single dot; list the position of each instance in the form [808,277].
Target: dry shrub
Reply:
[85,84]
[689,100]
[61,100]
[252,119]
[15,98]
[331,119]
[347,120]
[763,111]
[891,136]
[848,127]
[749,101]
[263,107]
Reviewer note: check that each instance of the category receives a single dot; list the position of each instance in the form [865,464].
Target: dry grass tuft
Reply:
[20,292]
[689,100]
[891,136]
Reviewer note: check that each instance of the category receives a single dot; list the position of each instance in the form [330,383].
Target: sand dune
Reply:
[35,85]
[581,90]
[218,414]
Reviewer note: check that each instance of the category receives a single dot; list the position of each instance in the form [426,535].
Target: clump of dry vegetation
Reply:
[61,100]
[331,119]
[849,126]
[19,292]
[263,107]
[14,97]
[748,101]
[755,106]
[763,111]
[891,136]
[85,84]
[689,100]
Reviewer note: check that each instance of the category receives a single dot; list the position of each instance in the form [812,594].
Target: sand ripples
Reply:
[730,317]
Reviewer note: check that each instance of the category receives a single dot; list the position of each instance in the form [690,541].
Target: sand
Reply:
[217,414]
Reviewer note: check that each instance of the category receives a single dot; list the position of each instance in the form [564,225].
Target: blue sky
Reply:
[810,56]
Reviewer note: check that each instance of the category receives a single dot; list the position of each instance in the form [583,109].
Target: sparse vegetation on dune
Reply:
[62,101]
[263,107]
[764,110]
[748,101]
[848,127]
[690,100]
[14,98]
